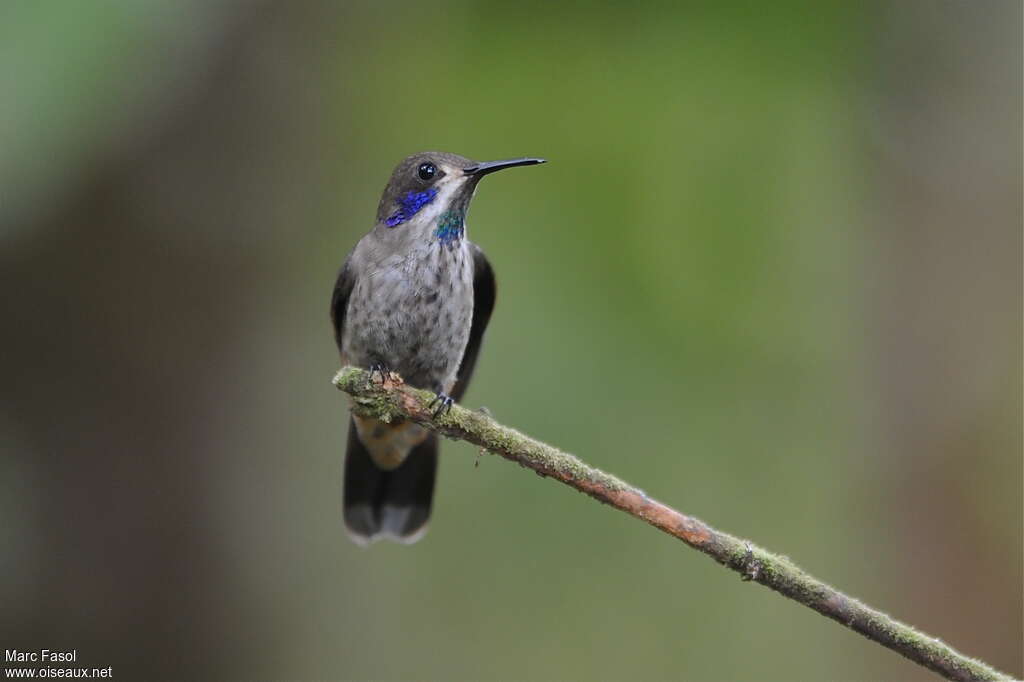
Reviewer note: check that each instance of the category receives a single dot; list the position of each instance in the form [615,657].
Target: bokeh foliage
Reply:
[697,293]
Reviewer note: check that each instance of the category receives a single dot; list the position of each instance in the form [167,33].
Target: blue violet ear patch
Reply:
[410,205]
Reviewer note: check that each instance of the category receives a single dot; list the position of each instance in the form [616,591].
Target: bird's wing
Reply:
[339,299]
[484,291]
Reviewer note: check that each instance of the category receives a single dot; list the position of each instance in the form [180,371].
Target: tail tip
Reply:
[364,528]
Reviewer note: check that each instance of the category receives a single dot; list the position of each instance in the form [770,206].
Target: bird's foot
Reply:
[444,404]
[379,368]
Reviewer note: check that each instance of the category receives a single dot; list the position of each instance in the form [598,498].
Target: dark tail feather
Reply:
[390,504]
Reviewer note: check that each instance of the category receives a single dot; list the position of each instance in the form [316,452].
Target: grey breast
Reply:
[414,313]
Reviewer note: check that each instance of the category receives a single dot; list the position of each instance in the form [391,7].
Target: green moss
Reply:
[752,562]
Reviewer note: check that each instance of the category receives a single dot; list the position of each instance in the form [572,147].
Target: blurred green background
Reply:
[771,275]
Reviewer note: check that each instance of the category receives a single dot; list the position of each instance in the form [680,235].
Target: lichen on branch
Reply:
[388,399]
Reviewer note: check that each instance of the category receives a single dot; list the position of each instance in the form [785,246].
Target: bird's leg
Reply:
[379,368]
[443,402]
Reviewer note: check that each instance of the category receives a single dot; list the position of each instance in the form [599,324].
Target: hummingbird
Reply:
[414,297]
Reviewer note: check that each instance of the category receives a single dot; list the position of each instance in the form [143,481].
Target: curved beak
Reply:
[482,169]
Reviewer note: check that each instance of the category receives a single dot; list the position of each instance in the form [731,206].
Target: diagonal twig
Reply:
[390,399]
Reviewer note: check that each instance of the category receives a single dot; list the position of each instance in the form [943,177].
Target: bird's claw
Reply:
[381,369]
[444,404]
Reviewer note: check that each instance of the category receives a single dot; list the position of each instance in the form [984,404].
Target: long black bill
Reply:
[482,169]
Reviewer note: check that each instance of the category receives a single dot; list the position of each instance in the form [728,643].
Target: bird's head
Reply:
[429,193]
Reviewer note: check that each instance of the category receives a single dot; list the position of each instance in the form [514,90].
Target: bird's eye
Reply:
[427,171]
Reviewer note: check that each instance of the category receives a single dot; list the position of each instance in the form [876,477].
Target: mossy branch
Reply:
[390,399]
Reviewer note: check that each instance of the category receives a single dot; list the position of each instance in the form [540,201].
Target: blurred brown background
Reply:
[772,275]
